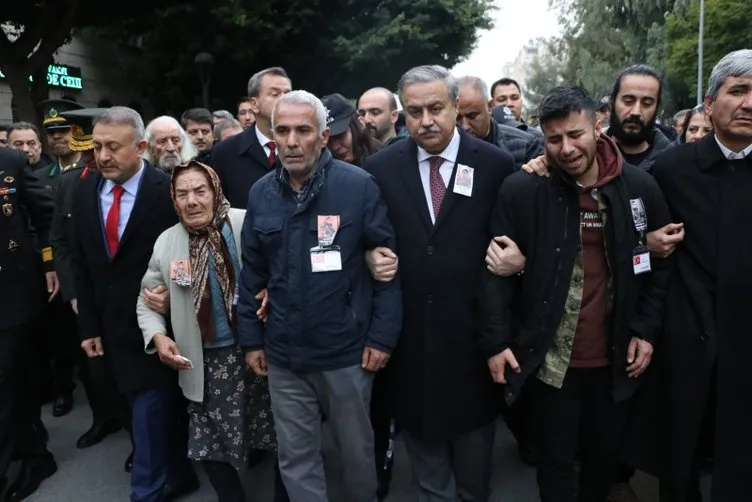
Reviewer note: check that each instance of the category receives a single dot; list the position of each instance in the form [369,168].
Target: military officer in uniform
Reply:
[21,303]
[61,239]
[58,325]
[58,129]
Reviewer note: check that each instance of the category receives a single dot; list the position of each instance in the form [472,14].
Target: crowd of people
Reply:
[225,288]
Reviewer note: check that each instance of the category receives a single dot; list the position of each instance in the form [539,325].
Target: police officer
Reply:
[61,239]
[21,302]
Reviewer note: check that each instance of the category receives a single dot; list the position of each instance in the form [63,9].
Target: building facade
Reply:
[80,74]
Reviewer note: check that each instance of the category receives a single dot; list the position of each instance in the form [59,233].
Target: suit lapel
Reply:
[149,193]
[466,156]
[94,206]
[410,173]
[251,146]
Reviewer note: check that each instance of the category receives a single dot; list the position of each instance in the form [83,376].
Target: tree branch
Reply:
[31,34]
[6,49]
[54,39]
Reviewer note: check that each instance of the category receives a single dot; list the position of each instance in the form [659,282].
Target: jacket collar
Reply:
[708,153]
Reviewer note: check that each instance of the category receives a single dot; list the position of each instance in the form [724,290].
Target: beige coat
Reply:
[172,245]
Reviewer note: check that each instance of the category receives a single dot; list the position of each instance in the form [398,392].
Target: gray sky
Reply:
[516,22]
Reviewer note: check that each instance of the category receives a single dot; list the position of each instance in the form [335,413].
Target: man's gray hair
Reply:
[222,114]
[477,84]
[122,115]
[187,151]
[733,64]
[681,113]
[254,83]
[305,98]
[225,124]
[426,74]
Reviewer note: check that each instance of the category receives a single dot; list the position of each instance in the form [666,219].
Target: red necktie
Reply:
[272,153]
[438,188]
[113,219]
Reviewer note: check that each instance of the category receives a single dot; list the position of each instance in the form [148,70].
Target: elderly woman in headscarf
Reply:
[198,260]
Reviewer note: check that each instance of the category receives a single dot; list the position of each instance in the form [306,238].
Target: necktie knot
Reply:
[117,191]
[434,163]
[272,152]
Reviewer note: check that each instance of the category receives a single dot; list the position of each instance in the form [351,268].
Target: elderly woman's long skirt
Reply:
[236,414]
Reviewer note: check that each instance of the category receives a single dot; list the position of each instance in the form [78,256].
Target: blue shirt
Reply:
[127,200]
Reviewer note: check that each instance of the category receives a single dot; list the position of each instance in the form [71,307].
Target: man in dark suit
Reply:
[118,214]
[243,159]
[62,241]
[21,302]
[446,401]
[705,379]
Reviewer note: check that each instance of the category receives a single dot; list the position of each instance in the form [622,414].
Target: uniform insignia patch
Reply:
[12,245]
[7,209]
[9,179]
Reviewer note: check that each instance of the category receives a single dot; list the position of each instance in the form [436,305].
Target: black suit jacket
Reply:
[706,338]
[107,289]
[62,231]
[22,198]
[441,380]
[240,161]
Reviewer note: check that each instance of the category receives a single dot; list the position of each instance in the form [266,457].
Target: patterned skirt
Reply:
[236,415]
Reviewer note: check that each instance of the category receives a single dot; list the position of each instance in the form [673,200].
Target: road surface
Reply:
[96,474]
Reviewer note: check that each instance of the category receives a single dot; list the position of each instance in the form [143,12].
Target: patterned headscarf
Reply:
[203,243]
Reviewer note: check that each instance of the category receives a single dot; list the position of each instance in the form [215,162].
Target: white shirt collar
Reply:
[450,152]
[130,186]
[733,155]
[261,137]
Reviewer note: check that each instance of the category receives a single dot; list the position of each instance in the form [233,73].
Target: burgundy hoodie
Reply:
[590,347]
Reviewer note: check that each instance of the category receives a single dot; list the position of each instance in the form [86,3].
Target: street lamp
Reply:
[699,52]
[205,63]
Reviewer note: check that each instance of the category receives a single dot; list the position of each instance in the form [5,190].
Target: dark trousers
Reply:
[459,468]
[160,435]
[705,445]
[517,418]
[105,400]
[63,343]
[381,421]
[19,400]
[580,417]
[59,333]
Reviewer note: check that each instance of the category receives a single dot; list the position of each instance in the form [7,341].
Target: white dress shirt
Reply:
[733,155]
[106,198]
[263,140]
[450,158]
